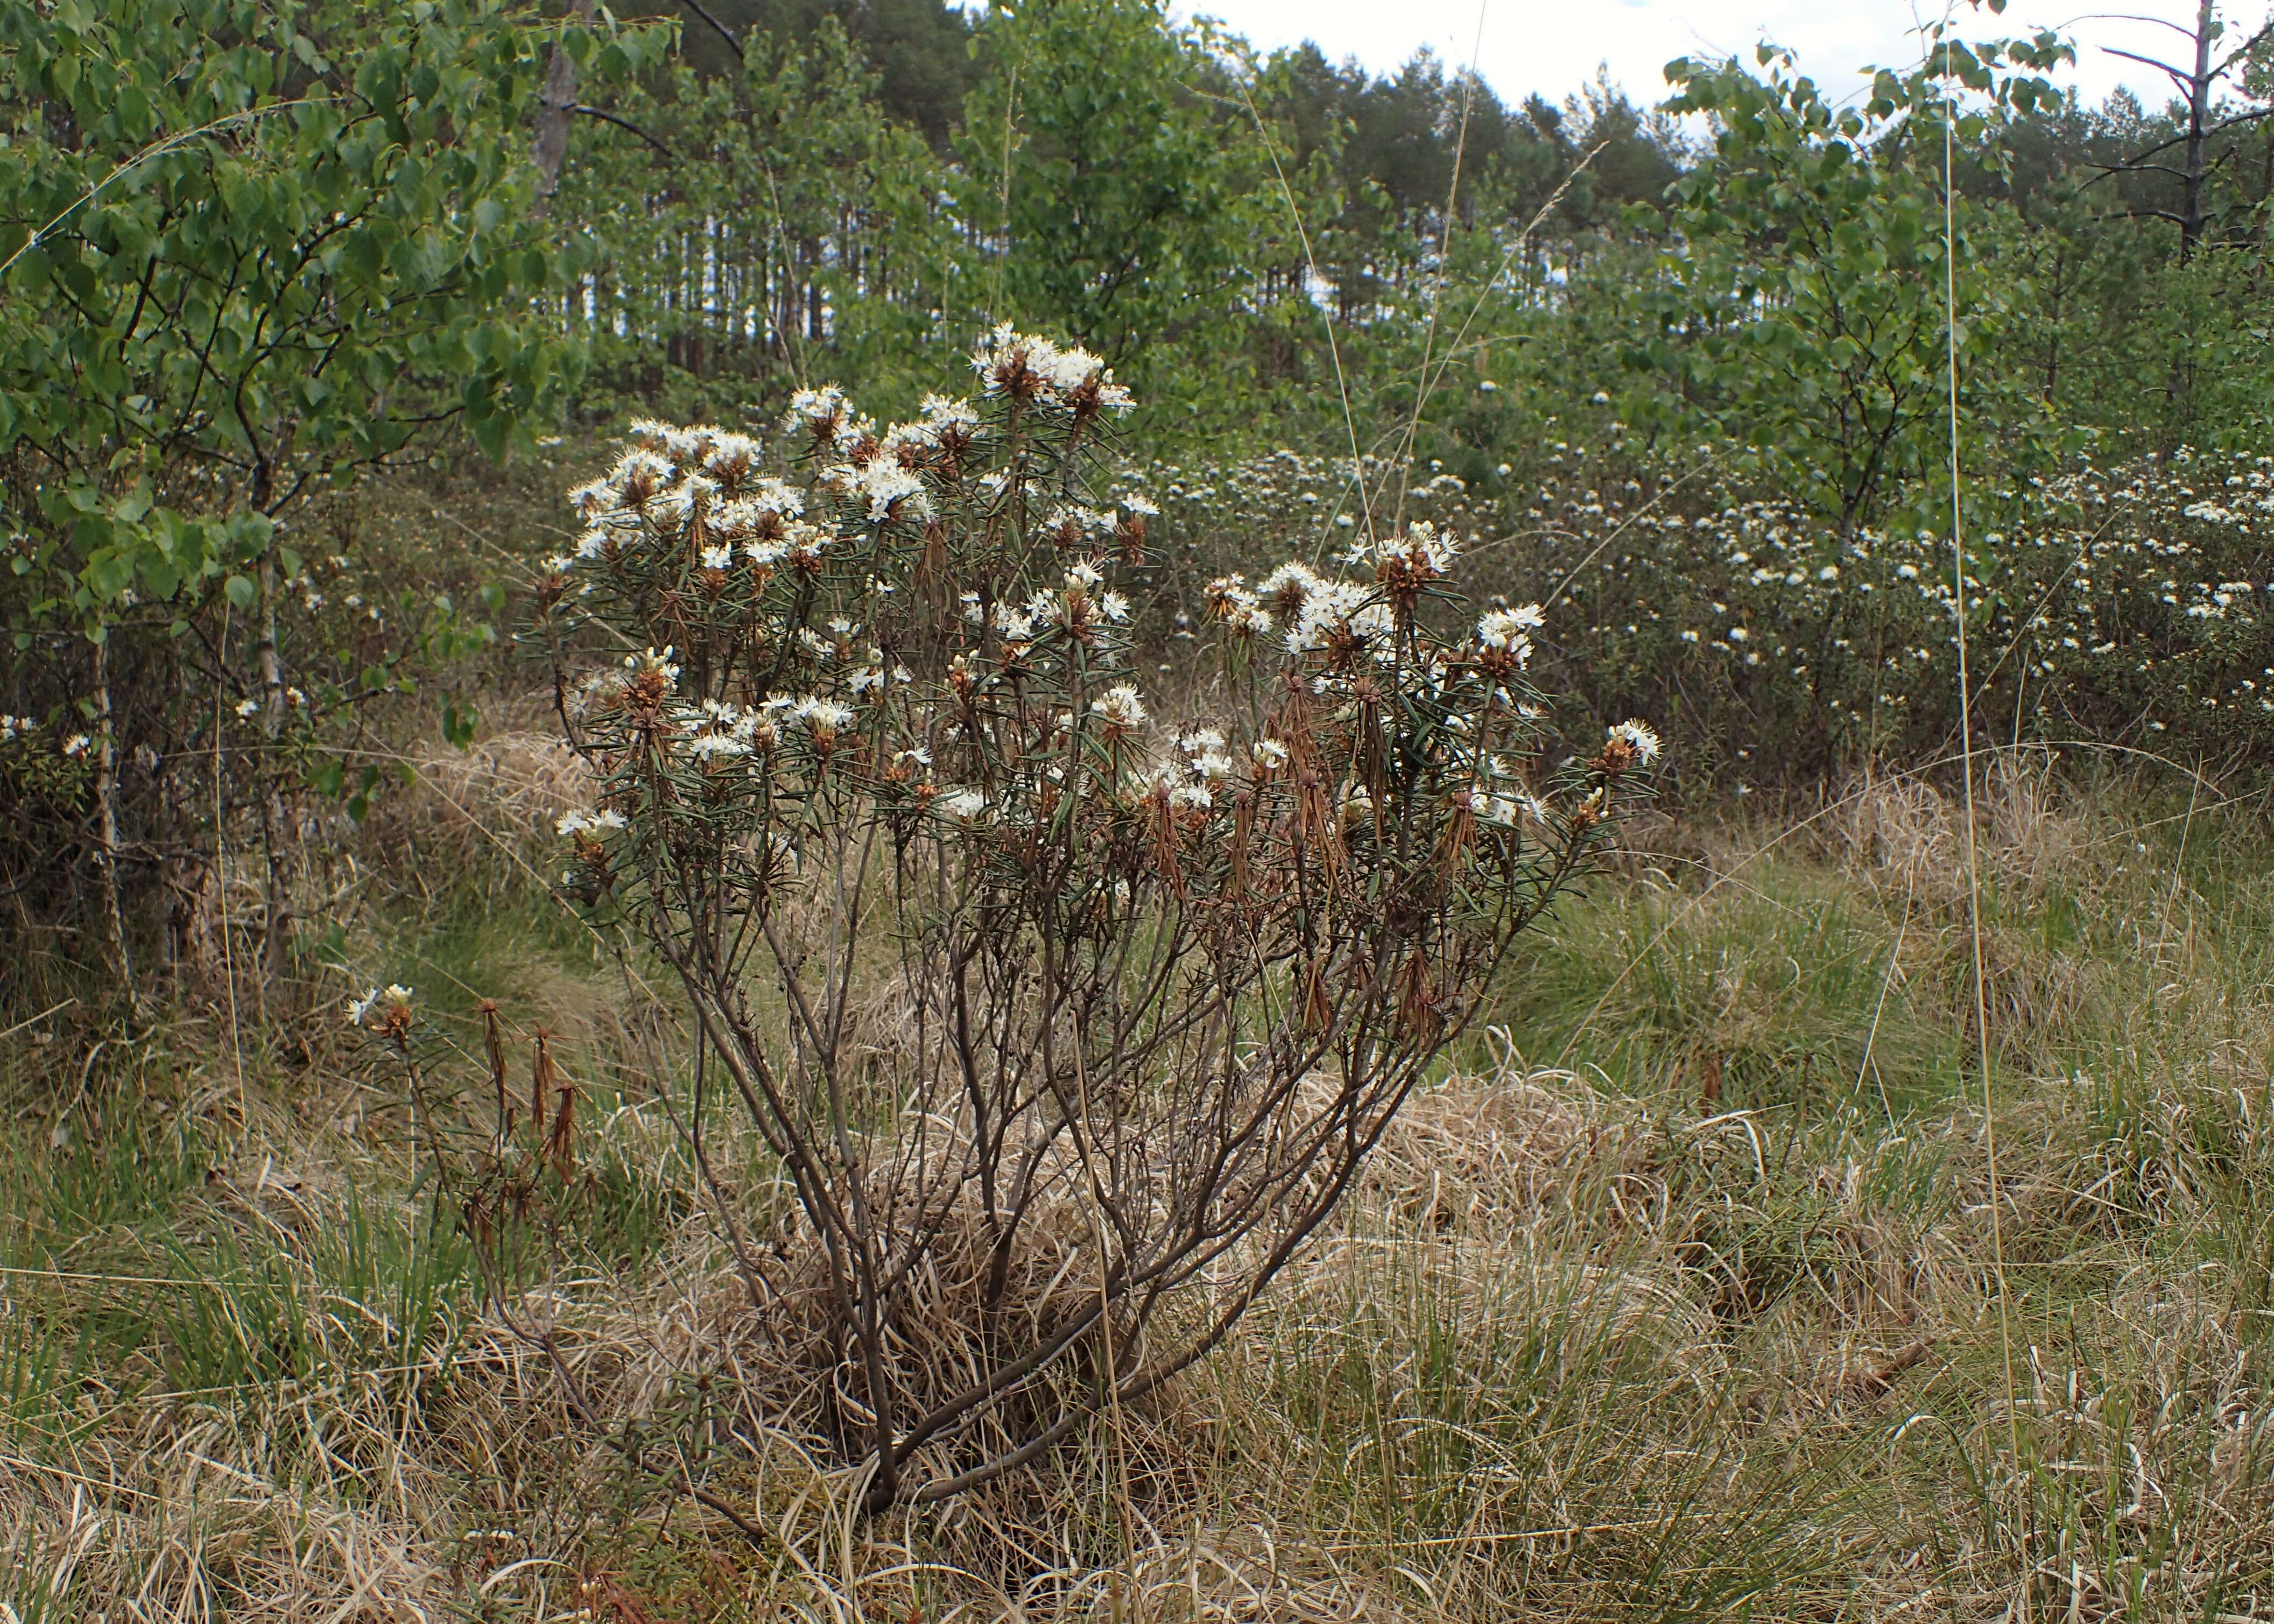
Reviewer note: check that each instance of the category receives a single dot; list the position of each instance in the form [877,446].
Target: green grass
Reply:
[1587,1344]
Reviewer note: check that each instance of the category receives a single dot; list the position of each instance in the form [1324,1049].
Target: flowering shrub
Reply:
[1067,1021]
[2131,605]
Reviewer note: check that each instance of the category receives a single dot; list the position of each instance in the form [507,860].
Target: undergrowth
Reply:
[1673,1299]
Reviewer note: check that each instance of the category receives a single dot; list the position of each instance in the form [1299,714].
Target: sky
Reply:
[1554,46]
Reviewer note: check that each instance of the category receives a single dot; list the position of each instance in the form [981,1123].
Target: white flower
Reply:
[892,493]
[942,416]
[1016,624]
[906,442]
[1190,798]
[248,707]
[1270,755]
[760,511]
[582,822]
[1420,549]
[1287,586]
[359,1008]
[717,557]
[1503,631]
[718,745]
[1241,612]
[963,805]
[1070,368]
[811,409]
[730,455]
[637,476]
[1008,355]
[685,500]
[642,663]
[78,744]
[822,717]
[1338,610]
[1119,707]
[1018,364]
[1249,622]
[1638,737]
[1076,520]
[587,500]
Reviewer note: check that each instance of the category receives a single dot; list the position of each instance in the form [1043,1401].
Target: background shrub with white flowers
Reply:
[2130,606]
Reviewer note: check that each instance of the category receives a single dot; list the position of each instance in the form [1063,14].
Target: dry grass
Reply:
[1673,1303]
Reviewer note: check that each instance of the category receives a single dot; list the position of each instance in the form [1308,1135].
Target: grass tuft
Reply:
[1672,1301]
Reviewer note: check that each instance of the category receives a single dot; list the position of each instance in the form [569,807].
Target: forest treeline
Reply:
[825,183]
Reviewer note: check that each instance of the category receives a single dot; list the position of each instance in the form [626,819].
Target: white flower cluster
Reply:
[963,806]
[1507,632]
[1340,613]
[1420,551]
[588,822]
[832,658]
[1022,367]
[1638,738]
[1195,769]
[2135,597]
[392,999]
[1120,708]
[1240,609]
[23,729]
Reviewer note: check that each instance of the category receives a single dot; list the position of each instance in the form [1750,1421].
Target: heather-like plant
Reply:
[2127,603]
[1067,1023]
